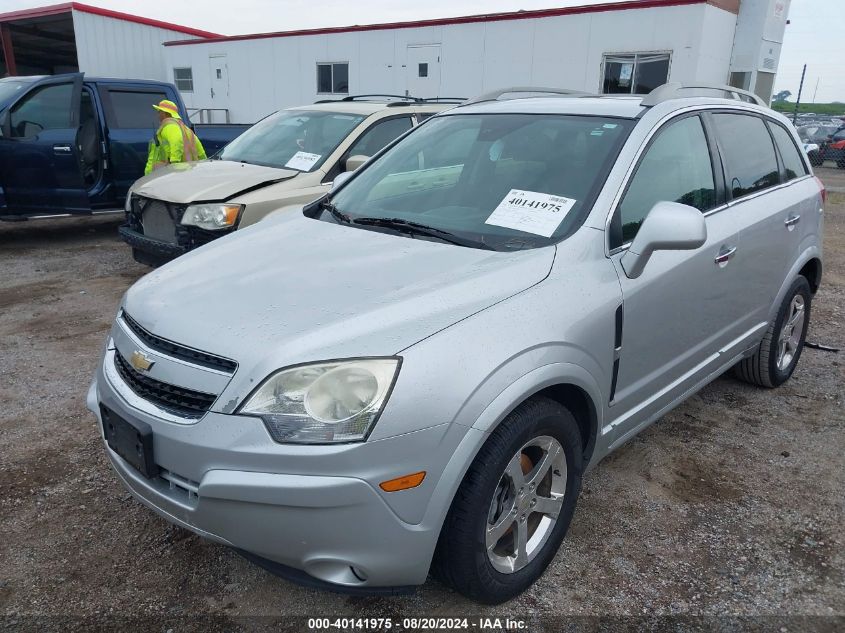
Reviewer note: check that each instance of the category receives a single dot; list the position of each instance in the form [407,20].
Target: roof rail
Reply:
[672,89]
[443,99]
[534,91]
[355,97]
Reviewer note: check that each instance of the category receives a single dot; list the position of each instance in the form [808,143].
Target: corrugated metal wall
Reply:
[108,47]
[562,51]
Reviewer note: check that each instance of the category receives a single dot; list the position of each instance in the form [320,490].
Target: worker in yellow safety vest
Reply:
[174,142]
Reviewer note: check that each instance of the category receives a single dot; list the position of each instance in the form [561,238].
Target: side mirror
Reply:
[669,226]
[340,179]
[354,162]
[5,129]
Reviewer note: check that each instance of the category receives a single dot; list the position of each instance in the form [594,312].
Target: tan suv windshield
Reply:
[292,139]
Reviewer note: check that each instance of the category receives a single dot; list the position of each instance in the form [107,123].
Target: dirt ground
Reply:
[731,505]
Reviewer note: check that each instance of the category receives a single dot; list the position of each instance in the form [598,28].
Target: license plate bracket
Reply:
[131,439]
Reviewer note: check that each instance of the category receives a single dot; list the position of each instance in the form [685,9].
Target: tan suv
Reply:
[289,158]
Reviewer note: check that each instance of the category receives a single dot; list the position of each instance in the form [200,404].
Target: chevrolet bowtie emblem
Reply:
[140,361]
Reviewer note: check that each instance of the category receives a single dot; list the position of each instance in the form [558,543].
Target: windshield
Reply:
[500,181]
[292,139]
[10,89]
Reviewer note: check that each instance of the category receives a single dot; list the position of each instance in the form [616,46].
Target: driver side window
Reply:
[47,108]
[675,168]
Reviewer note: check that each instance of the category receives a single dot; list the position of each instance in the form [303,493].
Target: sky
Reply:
[814,35]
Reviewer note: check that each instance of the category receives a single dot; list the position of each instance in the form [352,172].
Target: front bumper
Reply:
[310,508]
[150,251]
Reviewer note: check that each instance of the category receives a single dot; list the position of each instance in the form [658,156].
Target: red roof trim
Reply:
[66,7]
[489,17]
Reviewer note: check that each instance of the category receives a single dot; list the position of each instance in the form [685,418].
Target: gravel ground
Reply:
[731,505]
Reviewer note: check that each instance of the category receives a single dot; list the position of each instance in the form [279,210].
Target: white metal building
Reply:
[628,46]
[74,36]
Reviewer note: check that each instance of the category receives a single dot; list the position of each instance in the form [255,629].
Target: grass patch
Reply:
[832,109]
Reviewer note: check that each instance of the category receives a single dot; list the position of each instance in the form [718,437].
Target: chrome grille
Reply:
[157,222]
[179,400]
[178,351]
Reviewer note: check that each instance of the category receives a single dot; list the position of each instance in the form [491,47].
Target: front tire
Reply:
[514,505]
[776,358]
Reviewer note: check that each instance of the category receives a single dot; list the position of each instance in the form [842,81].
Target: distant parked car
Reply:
[834,149]
[289,158]
[816,133]
[415,371]
[71,144]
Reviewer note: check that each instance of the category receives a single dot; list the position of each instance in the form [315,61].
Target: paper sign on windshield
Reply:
[531,212]
[303,161]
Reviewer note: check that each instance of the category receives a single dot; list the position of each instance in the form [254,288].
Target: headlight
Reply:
[212,216]
[324,403]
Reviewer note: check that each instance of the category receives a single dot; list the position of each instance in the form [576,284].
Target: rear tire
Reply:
[777,356]
[514,505]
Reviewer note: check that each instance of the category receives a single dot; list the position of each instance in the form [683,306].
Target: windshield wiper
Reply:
[337,214]
[415,228]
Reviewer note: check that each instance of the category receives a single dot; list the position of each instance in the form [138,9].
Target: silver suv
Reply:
[415,371]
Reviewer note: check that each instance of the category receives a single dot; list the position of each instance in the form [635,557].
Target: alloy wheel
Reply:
[526,504]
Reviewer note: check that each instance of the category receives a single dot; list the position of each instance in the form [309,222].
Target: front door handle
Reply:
[62,149]
[724,255]
[791,221]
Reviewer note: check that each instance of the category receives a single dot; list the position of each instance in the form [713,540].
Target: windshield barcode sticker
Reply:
[531,212]
[303,161]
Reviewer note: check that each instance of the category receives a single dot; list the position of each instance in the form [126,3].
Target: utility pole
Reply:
[798,100]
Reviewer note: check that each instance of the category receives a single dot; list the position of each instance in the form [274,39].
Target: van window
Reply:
[134,109]
[675,168]
[378,135]
[47,108]
[792,162]
[749,154]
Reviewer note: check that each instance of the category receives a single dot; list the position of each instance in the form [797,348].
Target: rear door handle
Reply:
[724,255]
[791,221]
[62,149]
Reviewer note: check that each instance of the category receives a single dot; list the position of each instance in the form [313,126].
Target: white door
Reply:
[423,71]
[219,88]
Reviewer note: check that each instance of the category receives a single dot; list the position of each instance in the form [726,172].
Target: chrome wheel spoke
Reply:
[521,549]
[496,531]
[797,315]
[514,471]
[550,506]
[540,470]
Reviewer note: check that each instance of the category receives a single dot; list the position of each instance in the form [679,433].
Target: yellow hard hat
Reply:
[168,107]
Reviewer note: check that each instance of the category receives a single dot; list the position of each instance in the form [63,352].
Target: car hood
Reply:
[207,181]
[292,289]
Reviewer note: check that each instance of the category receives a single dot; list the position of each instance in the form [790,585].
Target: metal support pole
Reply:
[8,51]
[798,100]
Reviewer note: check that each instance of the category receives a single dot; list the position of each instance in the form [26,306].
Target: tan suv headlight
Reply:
[324,403]
[212,216]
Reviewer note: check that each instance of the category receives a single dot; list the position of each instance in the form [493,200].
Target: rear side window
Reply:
[675,168]
[134,109]
[750,158]
[792,162]
[377,136]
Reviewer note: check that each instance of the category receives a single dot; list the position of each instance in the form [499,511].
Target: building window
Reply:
[333,78]
[184,79]
[634,73]
[423,70]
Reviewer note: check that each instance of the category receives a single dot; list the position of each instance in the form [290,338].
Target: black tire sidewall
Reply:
[554,421]
[799,286]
